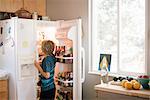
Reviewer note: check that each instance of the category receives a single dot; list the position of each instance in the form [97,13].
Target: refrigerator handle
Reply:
[83,64]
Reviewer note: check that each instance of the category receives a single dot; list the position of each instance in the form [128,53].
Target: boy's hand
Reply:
[36,64]
[45,74]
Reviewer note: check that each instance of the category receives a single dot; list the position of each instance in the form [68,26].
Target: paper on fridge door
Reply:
[27,70]
[25,44]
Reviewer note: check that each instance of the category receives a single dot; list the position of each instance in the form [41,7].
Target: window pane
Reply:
[132,36]
[104,39]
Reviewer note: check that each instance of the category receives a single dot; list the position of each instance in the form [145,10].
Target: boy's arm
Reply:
[45,74]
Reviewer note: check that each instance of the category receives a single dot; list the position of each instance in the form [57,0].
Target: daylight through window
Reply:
[118,28]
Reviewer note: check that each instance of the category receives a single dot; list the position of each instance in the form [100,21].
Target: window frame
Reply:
[147,40]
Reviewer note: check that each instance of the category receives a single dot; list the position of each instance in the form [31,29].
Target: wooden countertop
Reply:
[120,90]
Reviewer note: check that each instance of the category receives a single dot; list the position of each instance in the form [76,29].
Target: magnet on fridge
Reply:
[1,37]
[9,30]
[25,44]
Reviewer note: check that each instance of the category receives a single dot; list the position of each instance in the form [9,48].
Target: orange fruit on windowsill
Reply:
[136,85]
[128,85]
[123,82]
[133,81]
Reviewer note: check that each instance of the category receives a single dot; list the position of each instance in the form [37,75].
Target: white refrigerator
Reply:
[20,41]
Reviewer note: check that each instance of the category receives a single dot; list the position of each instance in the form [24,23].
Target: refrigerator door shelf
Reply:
[64,88]
[66,24]
[64,57]
[64,81]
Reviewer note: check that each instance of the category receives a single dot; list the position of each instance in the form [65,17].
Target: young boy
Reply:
[47,69]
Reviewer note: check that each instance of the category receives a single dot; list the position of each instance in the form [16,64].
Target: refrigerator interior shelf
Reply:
[63,81]
[62,62]
[64,88]
[64,57]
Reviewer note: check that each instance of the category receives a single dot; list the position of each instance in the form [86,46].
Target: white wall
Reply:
[66,9]
[69,9]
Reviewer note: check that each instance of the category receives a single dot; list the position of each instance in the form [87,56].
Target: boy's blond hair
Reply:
[48,47]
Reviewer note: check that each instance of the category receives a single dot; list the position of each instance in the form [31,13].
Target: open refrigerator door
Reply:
[25,47]
[67,37]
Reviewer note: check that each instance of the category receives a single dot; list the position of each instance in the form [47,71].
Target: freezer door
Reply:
[25,47]
[26,37]
[26,72]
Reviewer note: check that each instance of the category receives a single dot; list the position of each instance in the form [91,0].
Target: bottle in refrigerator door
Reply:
[65,79]
[64,95]
[65,47]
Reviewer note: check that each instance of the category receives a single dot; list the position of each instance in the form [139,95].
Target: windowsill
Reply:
[110,74]
[120,90]
[116,74]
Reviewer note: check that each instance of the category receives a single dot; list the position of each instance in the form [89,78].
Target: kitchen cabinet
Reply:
[3,89]
[30,5]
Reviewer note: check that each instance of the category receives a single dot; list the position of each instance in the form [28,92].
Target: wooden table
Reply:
[120,90]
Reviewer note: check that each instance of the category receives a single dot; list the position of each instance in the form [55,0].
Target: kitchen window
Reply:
[119,28]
